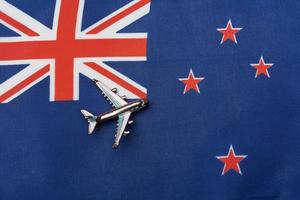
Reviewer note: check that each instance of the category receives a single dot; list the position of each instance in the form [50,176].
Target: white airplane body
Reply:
[122,110]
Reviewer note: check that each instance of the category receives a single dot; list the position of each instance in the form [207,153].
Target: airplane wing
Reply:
[122,123]
[114,98]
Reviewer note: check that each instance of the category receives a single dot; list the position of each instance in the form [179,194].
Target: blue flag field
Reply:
[221,79]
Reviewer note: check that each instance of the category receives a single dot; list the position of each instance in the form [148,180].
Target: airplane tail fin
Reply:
[91,120]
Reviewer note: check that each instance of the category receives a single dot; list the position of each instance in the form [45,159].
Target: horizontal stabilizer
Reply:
[87,114]
[91,120]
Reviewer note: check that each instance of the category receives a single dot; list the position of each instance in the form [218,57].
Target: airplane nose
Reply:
[146,102]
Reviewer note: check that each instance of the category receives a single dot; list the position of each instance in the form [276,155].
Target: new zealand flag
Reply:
[221,79]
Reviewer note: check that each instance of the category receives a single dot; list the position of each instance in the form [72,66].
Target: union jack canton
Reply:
[65,51]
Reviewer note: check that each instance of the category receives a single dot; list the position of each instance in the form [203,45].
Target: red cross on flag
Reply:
[65,51]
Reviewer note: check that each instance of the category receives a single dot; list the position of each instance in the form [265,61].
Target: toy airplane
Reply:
[122,110]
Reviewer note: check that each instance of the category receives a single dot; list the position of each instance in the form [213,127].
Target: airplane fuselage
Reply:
[131,106]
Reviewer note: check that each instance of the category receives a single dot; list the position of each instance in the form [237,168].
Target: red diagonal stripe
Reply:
[24,83]
[17,25]
[117,79]
[119,16]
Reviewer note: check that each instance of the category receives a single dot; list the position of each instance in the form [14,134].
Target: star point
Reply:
[191,82]
[229,32]
[262,67]
[231,161]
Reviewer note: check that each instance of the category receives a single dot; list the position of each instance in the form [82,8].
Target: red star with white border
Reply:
[229,32]
[191,82]
[262,67]
[231,161]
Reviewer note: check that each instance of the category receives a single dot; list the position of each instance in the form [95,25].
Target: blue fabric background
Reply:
[45,152]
